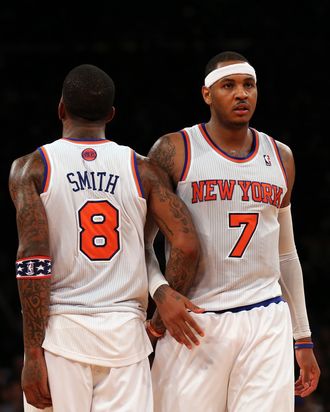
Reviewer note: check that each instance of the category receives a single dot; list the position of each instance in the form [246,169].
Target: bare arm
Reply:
[155,275]
[173,218]
[25,182]
[168,153]
[293,286]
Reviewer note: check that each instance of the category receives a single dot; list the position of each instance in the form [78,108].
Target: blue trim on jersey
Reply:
[185,155]
[280,157]
[265,303]
[254,139]
[138,175]
[45,170]
[90,139]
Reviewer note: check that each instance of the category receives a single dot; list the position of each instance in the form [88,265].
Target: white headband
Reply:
[237,68]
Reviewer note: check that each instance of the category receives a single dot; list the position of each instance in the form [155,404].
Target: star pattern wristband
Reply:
[34,267]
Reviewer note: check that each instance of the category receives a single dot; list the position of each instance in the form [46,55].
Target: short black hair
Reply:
[88,92]
[223,57]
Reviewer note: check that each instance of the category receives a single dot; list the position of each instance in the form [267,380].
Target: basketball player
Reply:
[237,183]
[81,208]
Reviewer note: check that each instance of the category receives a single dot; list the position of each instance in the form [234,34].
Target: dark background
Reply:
[156,55]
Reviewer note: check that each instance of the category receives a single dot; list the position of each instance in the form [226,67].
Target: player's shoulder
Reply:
[168,143]
[148,168]
[169,153]
[29,166]
[151,174]
[285,151]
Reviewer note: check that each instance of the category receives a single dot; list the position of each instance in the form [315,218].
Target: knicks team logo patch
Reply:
[267,160]
[89,154]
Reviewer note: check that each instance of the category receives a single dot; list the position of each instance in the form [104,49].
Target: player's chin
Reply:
[240,121]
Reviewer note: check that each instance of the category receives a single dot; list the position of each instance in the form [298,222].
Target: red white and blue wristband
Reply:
[304,345]
[34,267]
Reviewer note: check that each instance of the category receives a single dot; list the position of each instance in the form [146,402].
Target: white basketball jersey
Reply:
[96,215]
[234,203]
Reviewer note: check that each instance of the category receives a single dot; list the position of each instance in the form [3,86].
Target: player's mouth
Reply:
[241,109]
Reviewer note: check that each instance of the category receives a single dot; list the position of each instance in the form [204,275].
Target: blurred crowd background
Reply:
[156,54]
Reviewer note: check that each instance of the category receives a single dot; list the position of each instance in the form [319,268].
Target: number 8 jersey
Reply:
[234,203]
[96,214]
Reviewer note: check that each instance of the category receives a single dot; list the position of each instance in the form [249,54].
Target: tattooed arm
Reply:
[169,153]
[25,182]
[172,217]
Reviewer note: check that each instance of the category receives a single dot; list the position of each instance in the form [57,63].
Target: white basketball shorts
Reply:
[245,363]
[79,387]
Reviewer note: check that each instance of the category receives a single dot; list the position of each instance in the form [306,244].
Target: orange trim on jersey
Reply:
[278,155]
[136,175]
[187,159]
[76,141]
[48,171]
[224,154]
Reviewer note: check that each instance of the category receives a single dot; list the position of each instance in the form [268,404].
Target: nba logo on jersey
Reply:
[267,160]
[89,154]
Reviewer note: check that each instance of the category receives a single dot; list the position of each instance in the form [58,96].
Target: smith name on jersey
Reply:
[90,180]
[96,214]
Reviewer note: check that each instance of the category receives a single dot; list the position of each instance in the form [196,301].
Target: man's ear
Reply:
[111,114]
[206,93]
[61,110]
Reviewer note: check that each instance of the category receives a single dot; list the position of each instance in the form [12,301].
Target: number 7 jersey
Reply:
[96,214]
[234,203]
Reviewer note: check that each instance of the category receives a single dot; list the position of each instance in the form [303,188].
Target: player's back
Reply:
[96,214]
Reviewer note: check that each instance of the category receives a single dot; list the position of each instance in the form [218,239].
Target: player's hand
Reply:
[309,372]
[34,379]
[173,309]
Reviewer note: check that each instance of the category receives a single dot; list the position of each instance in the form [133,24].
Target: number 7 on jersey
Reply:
[250,223]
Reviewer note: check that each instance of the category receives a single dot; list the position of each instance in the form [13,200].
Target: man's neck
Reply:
[235,141]
[85,132]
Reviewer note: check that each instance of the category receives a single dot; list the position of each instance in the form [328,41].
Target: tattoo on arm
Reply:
[163,153]
[182,265]
[174,220]
[160,192]
[34,296]
[25,186]
[180,270]
[160,294]
[25,182]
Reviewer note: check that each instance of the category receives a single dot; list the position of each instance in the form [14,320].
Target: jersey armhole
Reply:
[187,155]
[47,169]
[279,159]
[136,175]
